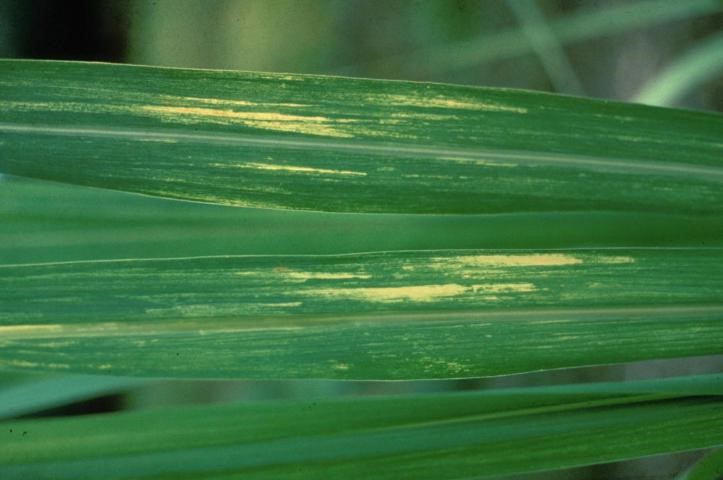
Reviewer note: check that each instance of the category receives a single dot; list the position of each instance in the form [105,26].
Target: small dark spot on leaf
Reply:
[11,430]
[25,433]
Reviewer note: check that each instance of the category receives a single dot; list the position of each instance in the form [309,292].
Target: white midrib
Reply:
[699,172]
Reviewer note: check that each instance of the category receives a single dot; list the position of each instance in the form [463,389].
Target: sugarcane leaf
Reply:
[387,315]
[339,144]
[46,222]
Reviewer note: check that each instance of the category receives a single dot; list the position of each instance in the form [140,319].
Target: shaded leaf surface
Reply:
[33,394]
[45,222]
[437,436]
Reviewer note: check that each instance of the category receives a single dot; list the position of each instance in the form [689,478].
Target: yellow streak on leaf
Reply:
[527,260]
[23,363]
[229,102]
[249,273]
[616,259]
[297,169]
[219,101]
[416,293]
[45,328]
[304,276]
[443,102]
[310,125]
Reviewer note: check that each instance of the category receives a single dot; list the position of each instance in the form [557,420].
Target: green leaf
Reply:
[709,468]
[340,144]
[45,222]
[388,315]
[459,435]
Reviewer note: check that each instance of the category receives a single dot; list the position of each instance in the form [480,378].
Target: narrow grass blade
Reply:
[582,25]
[45,222]
[390,315]
[459,435]
[709,467]
[338,144]
[704,62]
[548,49]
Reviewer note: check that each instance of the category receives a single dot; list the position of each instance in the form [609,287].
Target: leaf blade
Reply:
[296,142]
[443,314]
[430,436]
[47,222]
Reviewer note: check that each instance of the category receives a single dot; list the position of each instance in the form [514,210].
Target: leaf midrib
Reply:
[712,174]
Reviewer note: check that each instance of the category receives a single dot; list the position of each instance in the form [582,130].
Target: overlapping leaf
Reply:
[451,436]
[323,143]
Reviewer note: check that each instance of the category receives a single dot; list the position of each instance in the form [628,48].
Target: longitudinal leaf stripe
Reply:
[340,144]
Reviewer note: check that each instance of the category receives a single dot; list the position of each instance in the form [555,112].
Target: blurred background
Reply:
[664,52]
[616,49]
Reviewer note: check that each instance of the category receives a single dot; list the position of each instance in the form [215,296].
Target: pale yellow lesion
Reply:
[17,363]
[298,169]
[283,122]
[382,132]
[411,115]
[55,344]
[517,260]
[301,276]
[227,102]
[456,367]
[280,304]
[30,329]
[20,363]
[415,293]
[439,101]
[617,259]
[421,293]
